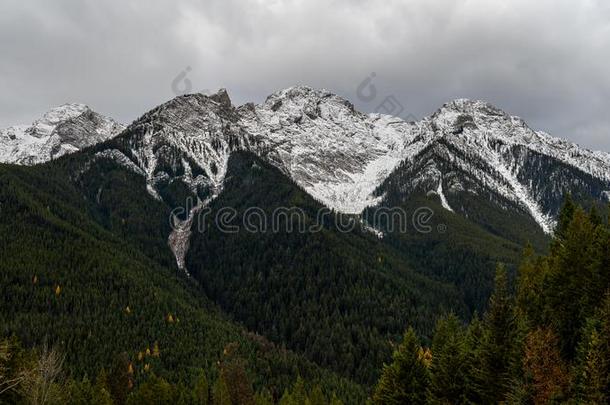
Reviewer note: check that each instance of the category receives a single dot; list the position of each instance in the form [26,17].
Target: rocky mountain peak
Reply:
[222,97]
[45,125]
[61,130]
[336,153]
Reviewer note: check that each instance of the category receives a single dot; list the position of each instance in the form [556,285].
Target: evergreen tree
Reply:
[299,393]
[498,344]
[316,396]
[594,358]
[473,361]
[594,216]
[530,294]
[221,394]
[569,294]
[449,363]
[287,399]
[565,216]
[406,379]
[119,379]
[154,391]
[334,400]
[86,393]
[263,397]
[201,390]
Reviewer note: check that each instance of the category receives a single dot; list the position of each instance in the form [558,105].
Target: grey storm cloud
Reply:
[546,61]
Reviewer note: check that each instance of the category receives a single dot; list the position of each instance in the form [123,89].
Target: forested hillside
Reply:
[340,298]
[545,339]
[81,288]
[92,289]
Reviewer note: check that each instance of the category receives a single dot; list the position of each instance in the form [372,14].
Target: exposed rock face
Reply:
[62,130]
[346,159]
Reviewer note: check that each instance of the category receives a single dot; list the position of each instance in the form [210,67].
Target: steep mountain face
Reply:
[470,149]
[347,160]
[337,154]
[186,141]
[64,129]
[325,293]
[182,148]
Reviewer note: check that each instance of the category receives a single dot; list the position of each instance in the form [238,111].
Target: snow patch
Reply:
[119,158]
[545,222]
[43,141]
[444,202]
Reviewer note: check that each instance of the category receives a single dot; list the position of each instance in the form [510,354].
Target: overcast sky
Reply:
[545,60]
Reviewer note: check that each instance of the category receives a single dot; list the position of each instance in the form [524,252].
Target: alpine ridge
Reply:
[346,159]
[64,129]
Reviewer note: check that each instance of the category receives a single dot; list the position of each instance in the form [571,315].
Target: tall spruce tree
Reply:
[498,348]
[201,390]
[221,394]
[593,369]
[568,288]
[565,216]
[449,366]
[406,379]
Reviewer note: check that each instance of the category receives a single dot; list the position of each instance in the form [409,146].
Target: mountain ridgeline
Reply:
[98,261]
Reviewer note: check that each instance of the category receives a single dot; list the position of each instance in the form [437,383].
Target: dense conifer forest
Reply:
[544,338]
[94,309]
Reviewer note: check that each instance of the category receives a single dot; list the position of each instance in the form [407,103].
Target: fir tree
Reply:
[498,345]
[594,358]
[316,396]
[154,391]
[263,398]
[287,399]
[449,363]
[119,379]
[299,393]
[565,216]
[568,288]
[221,392]
[406,379]
[201,390]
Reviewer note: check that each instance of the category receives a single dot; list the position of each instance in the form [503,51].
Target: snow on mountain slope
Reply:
[337,154]
[183,144]
[477,148]
[488,121]
[341,156]
[64,129]
[334,152]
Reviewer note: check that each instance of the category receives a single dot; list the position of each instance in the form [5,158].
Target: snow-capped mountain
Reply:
[346,159]
[473,148]
[337,154]
[64,129]
[342,156]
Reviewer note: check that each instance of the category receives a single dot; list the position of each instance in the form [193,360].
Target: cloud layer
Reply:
[546,61]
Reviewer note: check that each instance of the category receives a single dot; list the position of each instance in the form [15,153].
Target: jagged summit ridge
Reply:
[337,154]
[342,156]
[63,129]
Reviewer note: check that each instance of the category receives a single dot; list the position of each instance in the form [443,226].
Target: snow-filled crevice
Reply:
[440,193]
